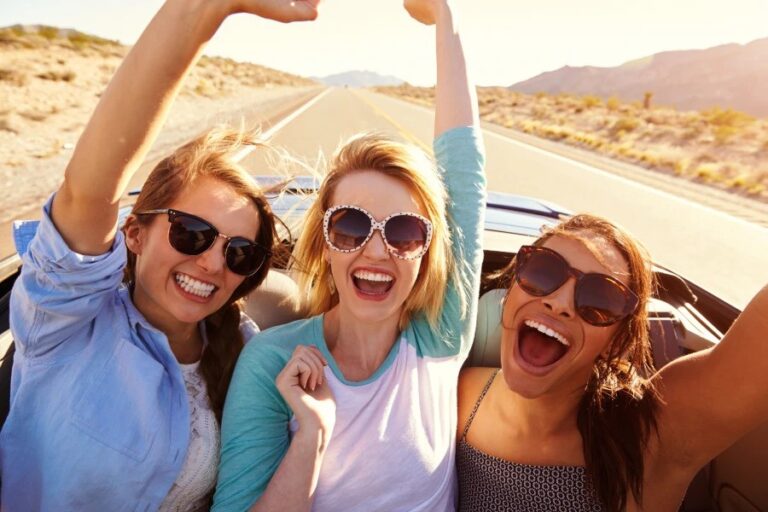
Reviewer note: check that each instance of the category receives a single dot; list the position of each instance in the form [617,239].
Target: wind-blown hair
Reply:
[617,414]
[410,166]
[210,156]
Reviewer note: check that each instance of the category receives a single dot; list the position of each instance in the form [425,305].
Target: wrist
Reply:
[313,438]
[202,17]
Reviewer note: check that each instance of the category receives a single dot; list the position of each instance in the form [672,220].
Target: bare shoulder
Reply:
[471,383]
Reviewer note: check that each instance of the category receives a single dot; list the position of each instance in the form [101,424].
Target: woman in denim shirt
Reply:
[117,390]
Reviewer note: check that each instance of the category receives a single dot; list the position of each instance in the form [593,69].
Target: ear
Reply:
[134,235]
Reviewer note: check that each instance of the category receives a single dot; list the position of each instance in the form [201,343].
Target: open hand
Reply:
[285,11]
[302,385]
[424,11]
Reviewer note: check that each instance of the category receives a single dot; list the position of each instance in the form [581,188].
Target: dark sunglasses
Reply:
[348,228]
[600,299]
[192,235]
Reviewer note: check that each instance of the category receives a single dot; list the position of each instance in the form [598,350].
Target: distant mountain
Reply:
[359,79]
[728,76]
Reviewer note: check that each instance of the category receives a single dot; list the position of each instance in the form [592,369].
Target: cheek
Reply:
[600,339]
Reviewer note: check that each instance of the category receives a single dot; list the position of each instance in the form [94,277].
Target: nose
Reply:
[376,248]
[212,260]
[561,301]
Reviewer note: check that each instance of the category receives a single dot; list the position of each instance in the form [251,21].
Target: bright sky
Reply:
[506,40]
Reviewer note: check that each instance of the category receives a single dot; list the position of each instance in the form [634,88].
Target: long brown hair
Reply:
[210,156]
[617,414]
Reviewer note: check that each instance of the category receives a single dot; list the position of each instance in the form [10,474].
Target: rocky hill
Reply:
[727,76]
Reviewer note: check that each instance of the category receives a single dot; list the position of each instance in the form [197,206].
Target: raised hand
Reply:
[285,11]
[423,11]
[302,385]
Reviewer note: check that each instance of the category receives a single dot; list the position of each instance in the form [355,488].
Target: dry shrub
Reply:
[13,77]
[591,101]
[57,76]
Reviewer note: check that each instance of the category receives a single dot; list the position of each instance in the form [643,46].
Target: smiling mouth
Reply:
[372,283]
[539,345]
[194,286]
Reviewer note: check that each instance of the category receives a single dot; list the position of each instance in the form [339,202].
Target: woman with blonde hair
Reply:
[355,407]
[577,418]
[117,387]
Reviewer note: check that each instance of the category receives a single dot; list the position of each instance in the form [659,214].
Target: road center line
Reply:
[407,134]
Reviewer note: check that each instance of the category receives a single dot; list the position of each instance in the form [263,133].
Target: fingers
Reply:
[285,11]
[423,11]
[306,366]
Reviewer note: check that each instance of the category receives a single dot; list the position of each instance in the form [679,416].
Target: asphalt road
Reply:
[723,253]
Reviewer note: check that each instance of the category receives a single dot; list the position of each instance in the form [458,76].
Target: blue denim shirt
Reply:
[99,418]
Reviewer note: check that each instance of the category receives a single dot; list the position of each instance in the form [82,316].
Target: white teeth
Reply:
[548,331]
[193,286]
[372,276]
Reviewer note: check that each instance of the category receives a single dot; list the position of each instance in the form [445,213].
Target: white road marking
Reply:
[240,155]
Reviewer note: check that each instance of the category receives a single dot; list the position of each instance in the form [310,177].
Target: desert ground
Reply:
[51,80]
[719,147]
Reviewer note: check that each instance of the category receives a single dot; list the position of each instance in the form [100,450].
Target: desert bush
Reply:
[612,103]
[57,76]
[623,125]
[79,39]
[13,77]
[591,101]
[49,33]
[724,133]
[719,117]
[708,172]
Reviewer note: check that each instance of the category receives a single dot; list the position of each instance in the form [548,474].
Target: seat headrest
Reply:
[485,349]
[276,301]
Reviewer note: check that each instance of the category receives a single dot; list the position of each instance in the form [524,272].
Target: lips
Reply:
[540,346]
[372,282]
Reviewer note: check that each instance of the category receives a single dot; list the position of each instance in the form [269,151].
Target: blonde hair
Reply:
[409,165]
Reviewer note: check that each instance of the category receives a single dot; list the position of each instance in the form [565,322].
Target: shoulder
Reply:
[471,383]
[280,341]
[472,380]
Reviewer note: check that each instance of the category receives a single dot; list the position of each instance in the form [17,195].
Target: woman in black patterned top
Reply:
[571,423]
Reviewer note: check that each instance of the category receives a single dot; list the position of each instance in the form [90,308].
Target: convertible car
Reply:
[683,318]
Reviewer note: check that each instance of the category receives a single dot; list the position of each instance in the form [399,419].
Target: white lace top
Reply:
[198,473]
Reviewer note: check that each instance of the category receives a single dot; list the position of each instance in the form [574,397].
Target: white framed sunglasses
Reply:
[347,228]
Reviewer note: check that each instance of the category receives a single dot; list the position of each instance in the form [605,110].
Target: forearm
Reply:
[293,485]
[715,396]
[456,101]
[128,118]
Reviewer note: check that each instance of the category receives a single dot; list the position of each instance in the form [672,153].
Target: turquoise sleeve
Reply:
[254,432]
[460,158]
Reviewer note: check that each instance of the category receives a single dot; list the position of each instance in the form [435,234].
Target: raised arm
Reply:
[135,105]
[715,396]
[456,100]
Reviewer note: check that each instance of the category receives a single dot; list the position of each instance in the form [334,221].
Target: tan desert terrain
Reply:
[721,148]
[51,80]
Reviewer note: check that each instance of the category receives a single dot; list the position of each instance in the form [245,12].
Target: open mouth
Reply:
[372,283]
[194,286]
[541,346]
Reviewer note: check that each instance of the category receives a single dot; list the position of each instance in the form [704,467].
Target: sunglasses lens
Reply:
[244,257]
[189,235]
[348,228]
[600,300]
[540,272]
[406,235]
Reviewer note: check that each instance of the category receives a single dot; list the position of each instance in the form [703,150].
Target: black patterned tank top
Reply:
[490,484]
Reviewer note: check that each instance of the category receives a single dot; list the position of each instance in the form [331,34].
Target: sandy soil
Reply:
[50,84]
[720,148]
